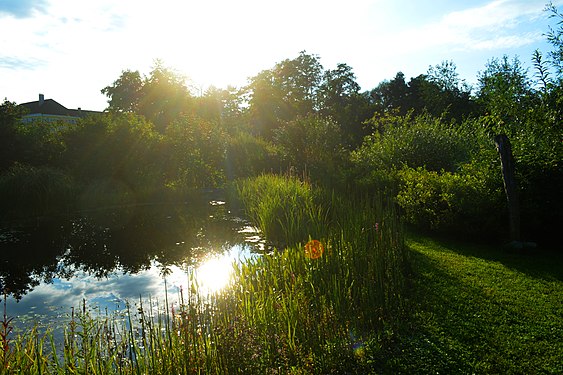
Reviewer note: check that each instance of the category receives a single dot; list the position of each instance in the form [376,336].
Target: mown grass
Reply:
[480,309]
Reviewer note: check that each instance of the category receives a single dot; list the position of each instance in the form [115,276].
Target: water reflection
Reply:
[106,260]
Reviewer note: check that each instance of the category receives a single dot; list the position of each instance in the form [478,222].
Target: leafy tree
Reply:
[125,93]
[454,95]
[392,96]
[283,93]
[555,38]
[118,147]
[164,96]
[221,106]
[312,144]
[161,96]
[193,154]
[10,117]
[439,92]
[340,100]
[34,143]
[503,92]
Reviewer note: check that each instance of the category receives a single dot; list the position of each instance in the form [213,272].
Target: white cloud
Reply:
[491,26]
[224,42]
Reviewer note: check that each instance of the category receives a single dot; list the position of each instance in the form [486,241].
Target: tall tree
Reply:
[10,116]
[503,91]
[161,96]
[393,95]
[124,94]
[283,93]
[340,99]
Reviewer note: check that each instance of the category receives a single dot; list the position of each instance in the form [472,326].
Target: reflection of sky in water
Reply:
[53,301]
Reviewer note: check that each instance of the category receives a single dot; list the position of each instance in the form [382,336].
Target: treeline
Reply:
[426,140]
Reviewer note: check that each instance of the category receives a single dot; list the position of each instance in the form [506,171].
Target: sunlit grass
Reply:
[481,310]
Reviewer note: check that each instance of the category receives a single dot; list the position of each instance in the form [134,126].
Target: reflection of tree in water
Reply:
[29,257]
[102,244]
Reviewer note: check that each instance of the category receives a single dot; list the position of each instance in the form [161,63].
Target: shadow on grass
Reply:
[470,314]
[543,262]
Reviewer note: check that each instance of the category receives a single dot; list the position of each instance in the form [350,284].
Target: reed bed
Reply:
[283,312]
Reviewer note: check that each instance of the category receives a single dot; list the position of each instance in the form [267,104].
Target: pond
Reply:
[110,257]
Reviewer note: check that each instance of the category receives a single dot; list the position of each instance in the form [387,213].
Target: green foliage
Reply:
[119,147]
[421,141]
[27,192]
[248,156]
[283,93]
[160,97]
[194,154]
[504,94]
[10,115]
[439,93]
[312,145]
[453,202]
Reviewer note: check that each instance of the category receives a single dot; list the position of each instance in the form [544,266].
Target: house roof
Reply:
[52,107]
[46,107]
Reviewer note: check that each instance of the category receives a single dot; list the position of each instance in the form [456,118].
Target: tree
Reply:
[340,99]
[311,144]
[221,106]
[503,91]
[555,38]
[283,93]
[454,94]
[392,96]
[10,116]
[125,93]
[164,96]
[161,96]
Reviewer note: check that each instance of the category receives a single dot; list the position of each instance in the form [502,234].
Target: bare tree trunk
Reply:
[510,187]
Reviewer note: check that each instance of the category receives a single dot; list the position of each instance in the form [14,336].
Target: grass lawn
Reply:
[482,310]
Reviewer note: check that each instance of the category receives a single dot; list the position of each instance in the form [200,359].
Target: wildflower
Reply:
[314,249]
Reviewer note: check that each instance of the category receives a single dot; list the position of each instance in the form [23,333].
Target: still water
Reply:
[108,258]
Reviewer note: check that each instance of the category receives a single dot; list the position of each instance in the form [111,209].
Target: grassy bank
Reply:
[300,309]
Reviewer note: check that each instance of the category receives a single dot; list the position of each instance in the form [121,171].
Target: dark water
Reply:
[108,258]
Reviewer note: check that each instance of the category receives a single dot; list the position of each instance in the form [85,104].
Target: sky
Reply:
[69,50]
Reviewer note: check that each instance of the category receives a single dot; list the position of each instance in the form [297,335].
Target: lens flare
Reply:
[314,249]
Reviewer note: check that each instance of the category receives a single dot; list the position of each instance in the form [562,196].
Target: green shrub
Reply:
[312,145]
[421,141]
[450,202]
[249,156]
[27,191]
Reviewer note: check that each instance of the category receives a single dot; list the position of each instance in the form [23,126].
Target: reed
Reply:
[283,312]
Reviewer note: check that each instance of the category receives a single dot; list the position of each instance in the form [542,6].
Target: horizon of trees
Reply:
[158,139]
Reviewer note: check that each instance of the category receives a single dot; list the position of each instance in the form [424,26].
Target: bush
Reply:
[249,156]
[421,141]
[27,191]
[312,145]
[451,202]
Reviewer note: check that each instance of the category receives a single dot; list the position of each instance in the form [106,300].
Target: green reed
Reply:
[281,313]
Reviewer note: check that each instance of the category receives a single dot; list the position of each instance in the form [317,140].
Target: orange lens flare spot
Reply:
[314,249]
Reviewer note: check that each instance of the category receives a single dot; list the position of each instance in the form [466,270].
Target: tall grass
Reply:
[282,312]
[286,209]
